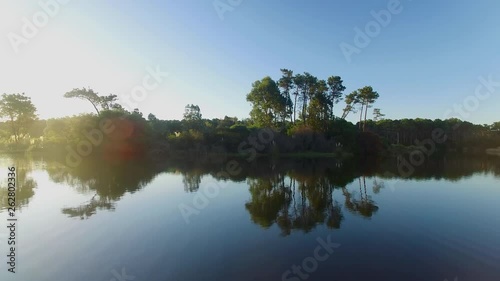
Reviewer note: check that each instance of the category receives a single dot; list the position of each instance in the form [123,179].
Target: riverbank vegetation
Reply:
[296,115]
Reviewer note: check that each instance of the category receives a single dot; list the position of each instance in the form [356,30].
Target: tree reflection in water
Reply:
[108,182]
[88,209]
[363,206]
[191,181]
[294,194]
[25,184]
[302,204]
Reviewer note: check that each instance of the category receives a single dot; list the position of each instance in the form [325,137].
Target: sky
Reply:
[425,61]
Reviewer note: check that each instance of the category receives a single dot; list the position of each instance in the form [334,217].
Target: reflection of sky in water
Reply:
[422,230]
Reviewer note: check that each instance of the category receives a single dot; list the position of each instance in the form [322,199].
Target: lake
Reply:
[287,219]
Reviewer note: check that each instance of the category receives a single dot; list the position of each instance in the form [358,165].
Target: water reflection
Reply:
[416,229]
[363,205]
[90,208]
[108,182]
[293,194]
[25,184]
[293,204]
[191,181]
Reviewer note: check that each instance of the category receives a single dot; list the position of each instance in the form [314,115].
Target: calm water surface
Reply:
[188,221]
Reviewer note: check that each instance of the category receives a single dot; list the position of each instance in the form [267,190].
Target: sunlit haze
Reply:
[422,64]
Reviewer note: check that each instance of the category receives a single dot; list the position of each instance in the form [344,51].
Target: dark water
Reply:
[264,220]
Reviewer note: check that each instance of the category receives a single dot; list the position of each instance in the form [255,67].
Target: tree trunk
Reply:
[361,116]
[331,113]
[325,119]
[304,108]
[346,112]
[295,108]
[14,129]
[96,109]
[98,113]
[366,111]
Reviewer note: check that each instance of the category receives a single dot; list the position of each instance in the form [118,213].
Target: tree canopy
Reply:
[19,111]
[312,99]
[104,102]
[267,102]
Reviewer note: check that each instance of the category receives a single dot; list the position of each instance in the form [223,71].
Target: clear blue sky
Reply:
[427,59]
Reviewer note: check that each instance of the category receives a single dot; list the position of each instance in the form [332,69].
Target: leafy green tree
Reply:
[286,108]
[319,107]
[286,83]
[19,112]
[351,100]
[308,91]
[299,82]
[86,94]
[108,102]
[227,122]
[192,119]
[68,130]
[267,102]
[367,97]
[495,126]
[192,113]
[336,89]
[152,117]
[377,115]
[364,98]
[318,112]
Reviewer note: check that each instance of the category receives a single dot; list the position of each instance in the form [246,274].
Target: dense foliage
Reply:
[295,114]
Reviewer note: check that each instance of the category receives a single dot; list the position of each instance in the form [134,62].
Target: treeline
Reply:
[456,134]
[135,135]
[295,114]
[193,136]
